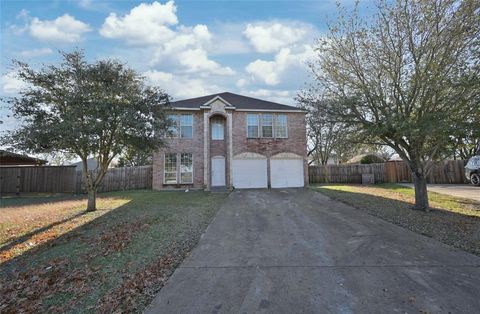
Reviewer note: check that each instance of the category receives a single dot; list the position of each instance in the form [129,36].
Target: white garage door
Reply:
[286,173]
[249,173]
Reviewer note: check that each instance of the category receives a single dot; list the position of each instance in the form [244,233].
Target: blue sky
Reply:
[189,48]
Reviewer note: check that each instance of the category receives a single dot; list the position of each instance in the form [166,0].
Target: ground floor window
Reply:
[170,168]
[186,168]
[178,168]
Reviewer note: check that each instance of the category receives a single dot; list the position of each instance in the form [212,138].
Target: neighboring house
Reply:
[230,140]
[92,164]
[9,159]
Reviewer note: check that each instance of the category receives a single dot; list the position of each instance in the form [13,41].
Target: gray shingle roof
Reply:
[237,101]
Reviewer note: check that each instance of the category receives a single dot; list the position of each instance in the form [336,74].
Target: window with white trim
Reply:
[217,128]
[173,125]
[170,171]
[186,168]
[281,126]
[267,125]
[186,126]
[253,124]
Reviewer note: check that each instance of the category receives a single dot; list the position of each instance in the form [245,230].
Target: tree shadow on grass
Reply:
[456,229]
[18,240]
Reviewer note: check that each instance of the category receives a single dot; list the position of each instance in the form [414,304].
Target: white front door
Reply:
[218,171]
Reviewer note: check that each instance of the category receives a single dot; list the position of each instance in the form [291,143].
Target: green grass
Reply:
[115,259]
[407,194]
[454,221]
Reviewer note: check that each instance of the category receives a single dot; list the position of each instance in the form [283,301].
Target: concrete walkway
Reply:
[459,190]
[297,251]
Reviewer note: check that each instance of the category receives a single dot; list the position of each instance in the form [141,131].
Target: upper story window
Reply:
[281,126]
[173,126]
[253,124]
[186,126]
[267,125]
[217,128]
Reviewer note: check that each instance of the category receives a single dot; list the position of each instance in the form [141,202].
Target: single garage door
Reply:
[249,173]
[286,173]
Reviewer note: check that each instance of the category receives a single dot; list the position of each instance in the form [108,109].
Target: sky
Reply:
[188,48]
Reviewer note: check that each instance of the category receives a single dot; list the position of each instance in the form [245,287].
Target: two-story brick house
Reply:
[230,140]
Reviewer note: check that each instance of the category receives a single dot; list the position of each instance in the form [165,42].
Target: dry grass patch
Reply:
[25,226]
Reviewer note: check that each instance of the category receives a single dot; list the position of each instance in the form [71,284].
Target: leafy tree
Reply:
[132,158]
[399,77]
[326,138]
[87,109]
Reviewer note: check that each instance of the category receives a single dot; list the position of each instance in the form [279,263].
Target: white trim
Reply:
[180,169]
[275,128]
[235,108]
[183,108]
[230,147]
[208,107]
[213,99]
[180,125]
[265,110]
[258,125]
[205,149]
[176,168]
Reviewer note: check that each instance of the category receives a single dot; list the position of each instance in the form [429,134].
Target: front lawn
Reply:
[54,257]
[454,221]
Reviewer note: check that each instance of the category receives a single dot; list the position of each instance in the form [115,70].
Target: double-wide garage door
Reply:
[250,171]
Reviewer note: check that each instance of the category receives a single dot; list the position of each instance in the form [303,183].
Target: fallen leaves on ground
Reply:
[139,286]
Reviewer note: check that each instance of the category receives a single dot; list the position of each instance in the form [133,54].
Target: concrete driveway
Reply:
[459,190]
[297,251]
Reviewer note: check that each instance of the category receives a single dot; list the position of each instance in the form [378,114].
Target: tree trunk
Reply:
[92,200]
[421,194]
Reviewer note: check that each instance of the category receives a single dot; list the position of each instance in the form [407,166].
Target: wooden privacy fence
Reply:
[66,179]
[120,179]
[42,179]
[443,172]
[345,173]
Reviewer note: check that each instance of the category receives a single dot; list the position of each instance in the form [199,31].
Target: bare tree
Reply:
[397,77]
[326,138]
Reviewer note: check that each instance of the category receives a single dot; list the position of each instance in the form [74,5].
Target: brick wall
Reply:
[182,145]
[295,143]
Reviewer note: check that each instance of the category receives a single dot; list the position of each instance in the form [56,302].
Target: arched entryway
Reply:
[218,150]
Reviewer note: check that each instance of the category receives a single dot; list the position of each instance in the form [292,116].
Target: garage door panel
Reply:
[286,173]
[249,173]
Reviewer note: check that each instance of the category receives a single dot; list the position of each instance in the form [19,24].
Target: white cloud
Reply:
[145,24]
[180,86]
[64,28]
[268,37]
[196,60]
[281,96]
[286,62]
[11,84]
[241,83]
[155,27]
[37,52]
